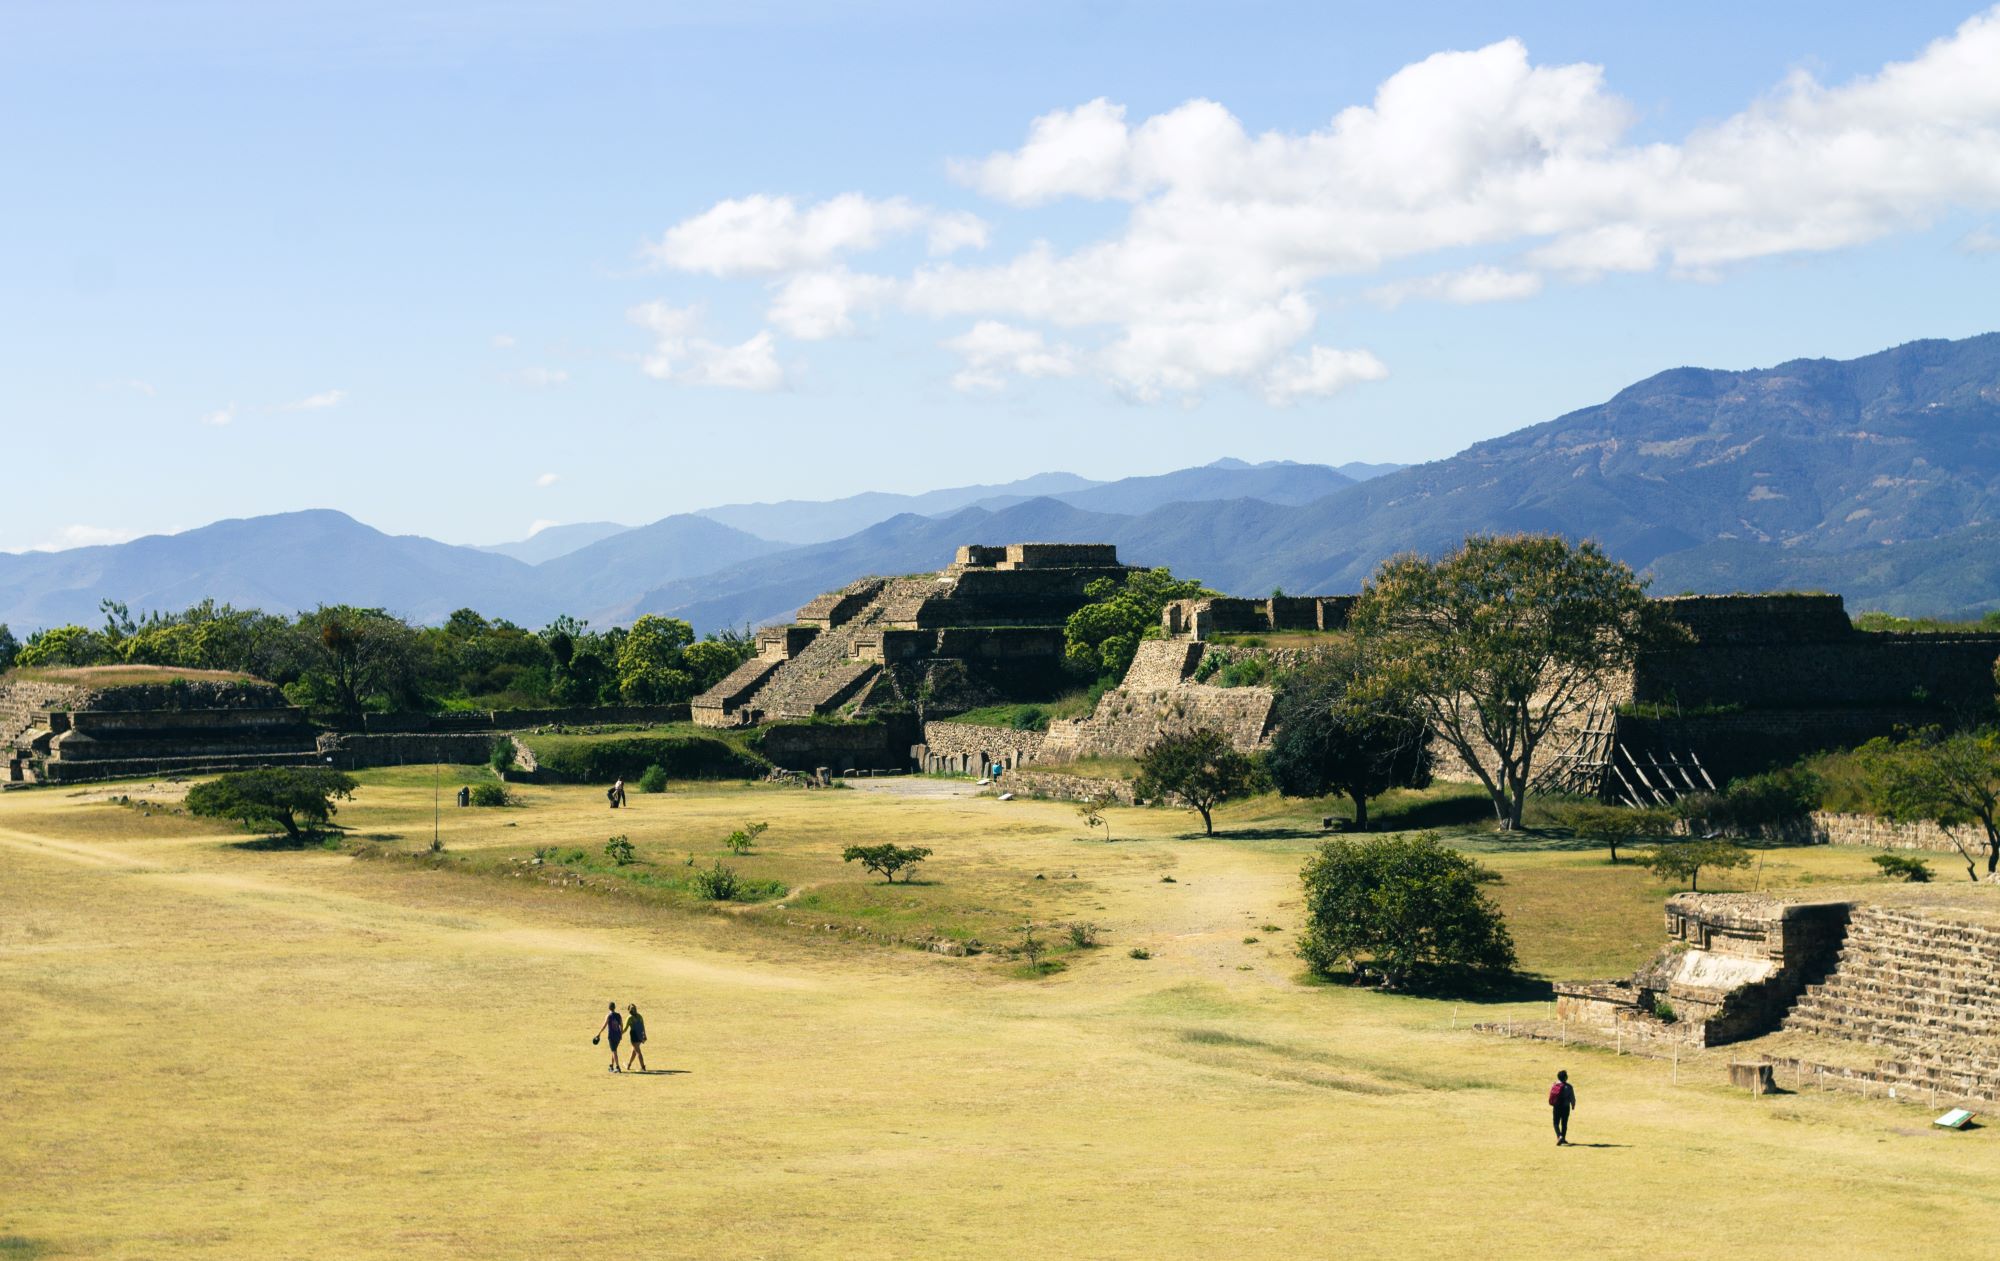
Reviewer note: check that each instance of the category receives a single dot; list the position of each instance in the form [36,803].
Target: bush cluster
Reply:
[580,761]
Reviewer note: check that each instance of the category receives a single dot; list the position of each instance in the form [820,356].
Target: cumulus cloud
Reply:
[548,479]
[1980,241]
[537,526]
[81,536]
[1231,240]
[993,351]
[765,235]
[317,402]
[220,416]
[679,355]
[1473,284]
[503,341]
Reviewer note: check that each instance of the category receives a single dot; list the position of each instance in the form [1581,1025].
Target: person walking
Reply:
[1562,1100]
[614,1025]
[635,1029]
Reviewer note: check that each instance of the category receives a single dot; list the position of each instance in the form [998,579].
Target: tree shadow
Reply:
[1599,1145]
[657,1072]
[288,844]
[1260,834]
[1463,985]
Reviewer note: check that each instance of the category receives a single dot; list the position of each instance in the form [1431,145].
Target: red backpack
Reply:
[1556,1093]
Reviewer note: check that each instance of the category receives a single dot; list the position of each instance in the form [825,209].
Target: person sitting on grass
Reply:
[1562,1099]
[614,1024]
[635,1029]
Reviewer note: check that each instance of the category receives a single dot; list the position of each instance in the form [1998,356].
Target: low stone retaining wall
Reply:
[966,748]
[1879,833]
[351,752]
[455,720]
[1055,786]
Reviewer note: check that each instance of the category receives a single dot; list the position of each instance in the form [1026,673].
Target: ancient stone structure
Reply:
[987,628]
[1226,615]
[1923,987]
[185,727]
[964,748]
[1732,967]
[1160,696]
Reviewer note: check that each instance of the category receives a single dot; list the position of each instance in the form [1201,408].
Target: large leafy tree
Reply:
[1345,726]
[652,668]
[1952,780]
[62,646]
[279,799]
[346,657]
[9,647]
[1200,767]
[1501,640]
[1397,905]
[1102,637]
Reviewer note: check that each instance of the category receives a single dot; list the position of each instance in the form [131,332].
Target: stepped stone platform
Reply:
[987,627]
[186,727]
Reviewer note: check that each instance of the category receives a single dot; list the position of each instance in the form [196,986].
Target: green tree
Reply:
[1091,810]
[10,647]
[651,661]
[281,798]
[1200,767]
[1344,727]
[711,660]
[1683,860]
[1613,826]
[62,646]
[886,860]
[1103,636]
[347,657]
[1399,904]
[1952,780]
[1501,640]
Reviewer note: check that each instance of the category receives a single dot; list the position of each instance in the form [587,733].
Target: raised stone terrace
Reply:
[991,622]
[63,735]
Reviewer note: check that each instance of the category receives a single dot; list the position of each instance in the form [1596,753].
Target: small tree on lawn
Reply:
[744,838]
[1092,811]
[619,849]
[281,799]
[1201,767]
[1345,728]
[1950,780]
[1399,904]
[886,860]
[1613,826]
[1683,860]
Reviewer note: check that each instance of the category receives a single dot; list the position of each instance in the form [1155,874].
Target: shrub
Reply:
[1397,905]
[581,760]
[501,759]
[717,884]
[886,859]
[1664,1010]
[741,840]
[1083,934]
[488,794]
[1250,940]
[1139,952]
[1755,805]
[1033,947]
[619,850]
[654,780]
[1903,867]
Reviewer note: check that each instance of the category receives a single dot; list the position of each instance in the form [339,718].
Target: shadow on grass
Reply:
[293,844]
[1461,985]
[21,1248]
[657,1072]
[1258,834]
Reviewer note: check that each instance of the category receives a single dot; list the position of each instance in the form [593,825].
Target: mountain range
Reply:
[1878,477]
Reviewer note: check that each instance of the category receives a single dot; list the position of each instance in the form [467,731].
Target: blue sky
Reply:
[457,269]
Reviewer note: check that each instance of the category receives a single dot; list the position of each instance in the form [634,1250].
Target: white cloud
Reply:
[1501,169]
[220,416]
[548,479]
[1980,241]
[317,402]
[538,378]
[537,526]
[994,351]
[816,305]
[1474,284]
[81,536]
[137,387]
[764,235]
[503,341]
[678,355]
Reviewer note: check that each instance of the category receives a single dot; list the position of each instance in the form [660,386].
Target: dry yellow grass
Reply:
[207,1051]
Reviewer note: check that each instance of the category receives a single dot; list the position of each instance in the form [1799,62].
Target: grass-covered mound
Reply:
[685,752]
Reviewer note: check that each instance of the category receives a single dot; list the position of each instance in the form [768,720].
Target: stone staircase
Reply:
[827,673]
[1926,990]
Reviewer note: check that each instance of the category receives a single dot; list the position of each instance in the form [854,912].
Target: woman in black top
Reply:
[636,1025]
[614,1024]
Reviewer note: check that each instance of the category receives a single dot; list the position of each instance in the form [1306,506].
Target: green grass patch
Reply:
[683,750]
[1029,715]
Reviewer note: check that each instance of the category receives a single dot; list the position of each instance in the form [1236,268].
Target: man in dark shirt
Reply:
[1562,1098]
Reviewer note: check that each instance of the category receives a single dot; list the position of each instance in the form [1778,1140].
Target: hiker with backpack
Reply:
[1562,1100]
[614,1024]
